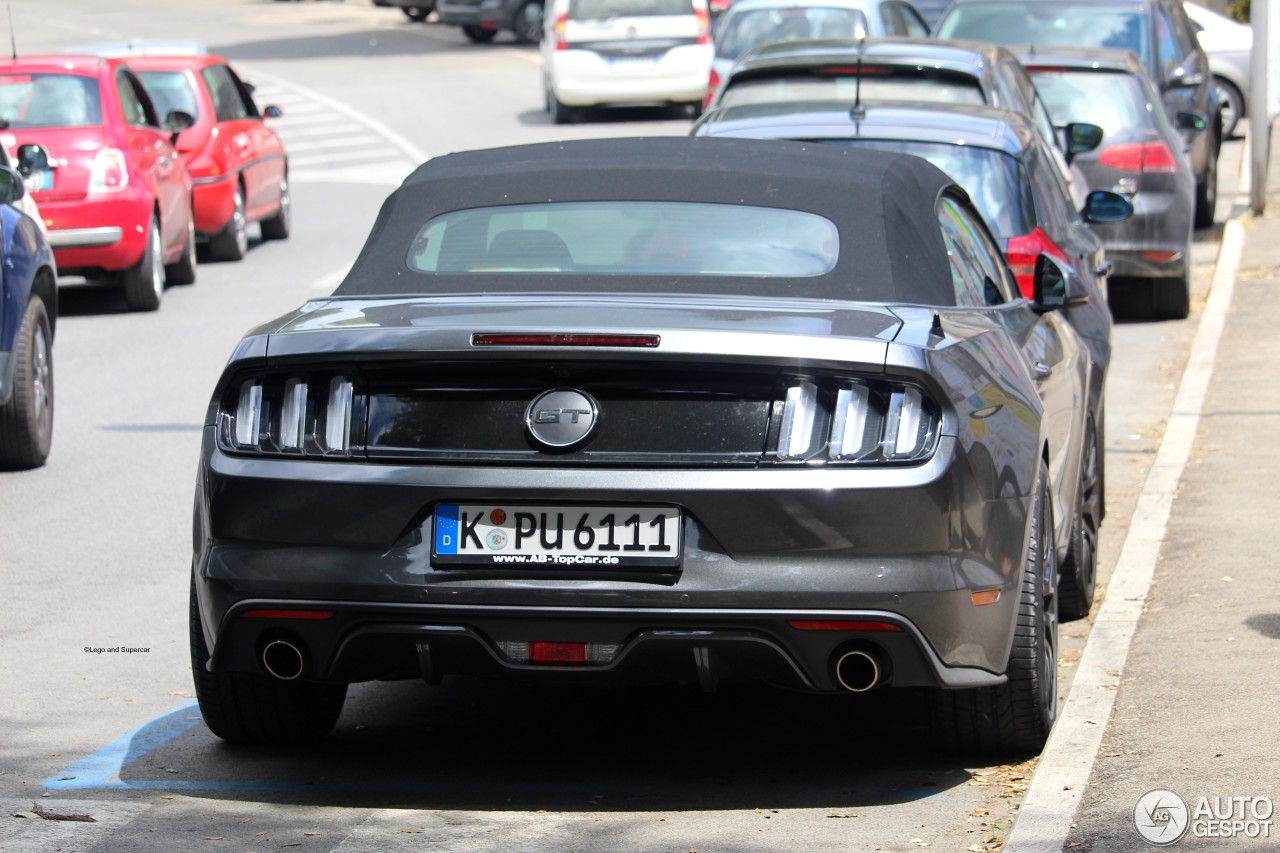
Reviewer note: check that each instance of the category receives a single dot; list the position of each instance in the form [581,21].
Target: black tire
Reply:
[26,421]
[143,283]
[1207,189]
[527,23]
[1171,297]
[417,14]
[232,242]
[1080,570]
[1231,103]
[479,35]
[279,226]
[247,708]
[183,271]
[1014,719]
[560,113]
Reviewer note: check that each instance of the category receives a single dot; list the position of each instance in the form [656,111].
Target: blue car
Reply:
[28,314]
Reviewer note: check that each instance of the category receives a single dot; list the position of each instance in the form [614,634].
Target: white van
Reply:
[617,52]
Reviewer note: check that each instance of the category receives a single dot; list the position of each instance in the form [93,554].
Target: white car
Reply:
[748,23]
[619,52]
[1228,45]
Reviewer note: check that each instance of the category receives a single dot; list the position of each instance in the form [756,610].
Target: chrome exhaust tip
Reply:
[283,660]
[859,670]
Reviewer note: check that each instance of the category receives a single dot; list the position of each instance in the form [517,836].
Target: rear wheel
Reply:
[1171,297]
[247,708]
[278,226]
[1080,571]
[1232,104]
[1207,190]
[479,35]
[560,113]
[232,242]
[26,421]
[1015,718]
[184,270]
[143,282]
[528,23]
[417,14]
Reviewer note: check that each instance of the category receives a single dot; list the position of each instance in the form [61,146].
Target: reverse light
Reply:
[1022,253]
[1150,158]
[110,171]
[557,653]
[562,21]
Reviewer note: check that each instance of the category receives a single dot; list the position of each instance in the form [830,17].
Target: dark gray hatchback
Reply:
[666,410]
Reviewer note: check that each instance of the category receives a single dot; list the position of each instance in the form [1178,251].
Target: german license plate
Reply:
[575,537]
[39,180]
[632,63]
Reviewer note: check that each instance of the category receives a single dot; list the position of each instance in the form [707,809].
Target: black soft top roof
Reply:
[883,204]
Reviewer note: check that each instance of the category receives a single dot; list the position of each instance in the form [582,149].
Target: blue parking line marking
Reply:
[102,769]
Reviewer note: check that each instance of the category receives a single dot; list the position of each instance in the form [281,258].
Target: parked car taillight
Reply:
[1022,253]
[299,415]
[110,172]
[713,83]
[1146,157]
[562,21]
[848,421]
[704,26]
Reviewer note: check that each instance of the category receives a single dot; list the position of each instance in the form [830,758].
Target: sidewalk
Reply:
[1198,709]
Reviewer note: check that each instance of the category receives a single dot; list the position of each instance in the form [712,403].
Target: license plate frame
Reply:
[573,537]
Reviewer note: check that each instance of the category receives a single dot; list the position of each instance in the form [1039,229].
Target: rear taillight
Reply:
[856,422]
[562,21]
[713,83]
[1022,254]
[110,172]
[1146,157]
[294,415]
[704,26]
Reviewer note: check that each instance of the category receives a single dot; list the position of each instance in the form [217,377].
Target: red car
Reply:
[113,193]
[238,165]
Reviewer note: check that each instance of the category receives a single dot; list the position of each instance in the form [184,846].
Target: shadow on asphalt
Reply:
[611,115]
[364,44]
[488,746]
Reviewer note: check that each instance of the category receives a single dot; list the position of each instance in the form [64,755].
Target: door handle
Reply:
[1104,269]
[1043,371]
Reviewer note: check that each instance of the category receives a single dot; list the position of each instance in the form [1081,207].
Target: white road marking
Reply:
[1045,816]
[321,143]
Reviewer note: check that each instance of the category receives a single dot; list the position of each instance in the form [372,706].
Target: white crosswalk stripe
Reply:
[329,141]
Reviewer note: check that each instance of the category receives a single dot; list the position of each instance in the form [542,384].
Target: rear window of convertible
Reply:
[628,238]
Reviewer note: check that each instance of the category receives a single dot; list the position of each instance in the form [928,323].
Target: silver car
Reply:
[650,410]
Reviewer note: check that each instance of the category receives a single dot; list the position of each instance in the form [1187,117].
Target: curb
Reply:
[1045,816]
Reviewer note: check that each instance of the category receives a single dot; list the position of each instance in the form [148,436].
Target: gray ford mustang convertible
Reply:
[652,410]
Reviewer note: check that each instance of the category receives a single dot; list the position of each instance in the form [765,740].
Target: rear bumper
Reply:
[582,78]
[98,234]
[491,14]
[907,546]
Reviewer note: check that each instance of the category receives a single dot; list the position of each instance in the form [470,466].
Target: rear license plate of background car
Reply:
[575,537]
[632,63]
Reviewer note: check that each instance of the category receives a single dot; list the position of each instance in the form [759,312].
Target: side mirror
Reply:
[12,186]
[1183,79]
[1050,283]
[1102,206]
[177,121]
[32,158]
[272,111]
[1081,137]
[1190,122]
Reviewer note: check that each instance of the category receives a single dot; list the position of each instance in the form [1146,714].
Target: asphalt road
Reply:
[95,547]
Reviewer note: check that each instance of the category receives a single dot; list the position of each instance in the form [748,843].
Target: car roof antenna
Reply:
[13,40]
[859,112]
